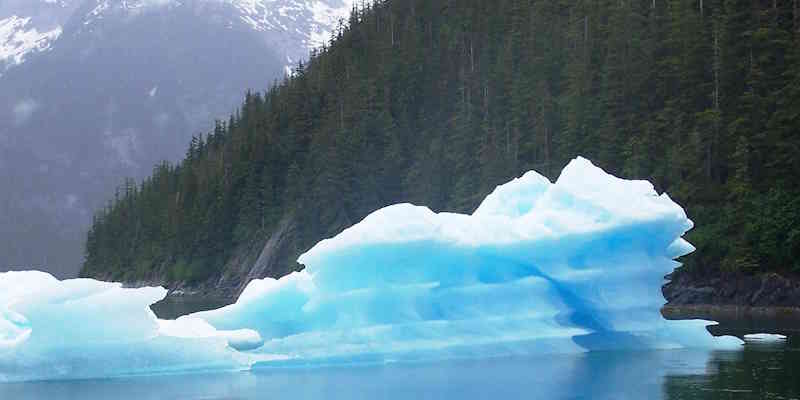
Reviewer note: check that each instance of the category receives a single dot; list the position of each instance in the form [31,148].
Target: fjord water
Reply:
[759,371]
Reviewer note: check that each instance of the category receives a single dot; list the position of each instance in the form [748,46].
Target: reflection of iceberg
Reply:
[601,375]
[539,267]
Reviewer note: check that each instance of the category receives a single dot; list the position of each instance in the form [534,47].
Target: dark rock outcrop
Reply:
[764,290]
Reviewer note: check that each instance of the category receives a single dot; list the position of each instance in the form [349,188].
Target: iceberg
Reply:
[765,338]
[539,267]
[83,328]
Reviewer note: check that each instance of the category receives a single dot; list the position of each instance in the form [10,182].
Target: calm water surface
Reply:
[759,371]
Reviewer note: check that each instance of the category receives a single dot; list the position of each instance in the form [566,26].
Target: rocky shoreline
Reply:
[742,304]
[740,320]
[769,290]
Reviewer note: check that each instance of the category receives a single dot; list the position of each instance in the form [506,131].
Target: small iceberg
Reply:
[765,338]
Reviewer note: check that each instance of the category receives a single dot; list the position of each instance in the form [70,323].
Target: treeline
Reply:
[436,102]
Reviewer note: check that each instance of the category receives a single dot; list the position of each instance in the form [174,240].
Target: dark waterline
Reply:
[758,371]
[175,306]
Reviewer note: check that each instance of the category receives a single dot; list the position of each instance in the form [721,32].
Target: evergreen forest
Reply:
[437,102]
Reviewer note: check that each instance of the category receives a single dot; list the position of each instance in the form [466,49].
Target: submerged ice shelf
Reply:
[539,267]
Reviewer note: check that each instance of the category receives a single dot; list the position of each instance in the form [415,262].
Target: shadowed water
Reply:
[759,371]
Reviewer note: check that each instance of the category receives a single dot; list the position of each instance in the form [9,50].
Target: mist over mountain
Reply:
[92,92]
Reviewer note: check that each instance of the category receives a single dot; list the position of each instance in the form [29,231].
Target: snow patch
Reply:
[18,40]
[319,18]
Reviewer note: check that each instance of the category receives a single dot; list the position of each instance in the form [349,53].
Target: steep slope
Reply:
[437,103]
[125,85]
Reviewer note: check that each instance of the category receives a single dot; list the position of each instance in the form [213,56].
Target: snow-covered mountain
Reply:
[93,91]
[292,22]
[292,27]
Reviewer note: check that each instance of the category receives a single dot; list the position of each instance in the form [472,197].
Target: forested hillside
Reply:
[436,102]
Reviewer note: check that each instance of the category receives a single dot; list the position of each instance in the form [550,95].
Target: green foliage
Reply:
[773,229]
[435,103]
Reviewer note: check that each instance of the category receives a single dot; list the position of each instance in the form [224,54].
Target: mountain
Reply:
[291,27]
[30,26]
[18,39]
[96,91]
[435,103]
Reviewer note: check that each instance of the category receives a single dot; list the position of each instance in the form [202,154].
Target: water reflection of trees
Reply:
[759,371]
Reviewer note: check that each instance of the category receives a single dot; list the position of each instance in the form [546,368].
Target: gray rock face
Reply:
[273,258]
[765,290]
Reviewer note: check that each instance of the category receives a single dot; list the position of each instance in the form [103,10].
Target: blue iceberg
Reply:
[540,267]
